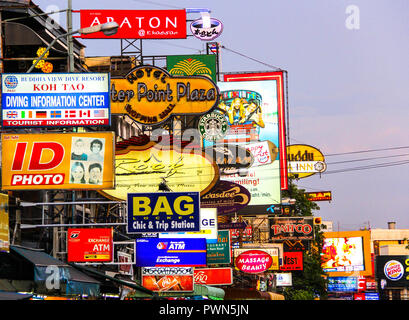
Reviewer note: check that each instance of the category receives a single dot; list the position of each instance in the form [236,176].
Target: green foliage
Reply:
[310,282]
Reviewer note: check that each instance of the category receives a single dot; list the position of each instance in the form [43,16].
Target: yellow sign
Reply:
[150,95]
[58,161]
[4,223]
[153,168]
[304,161]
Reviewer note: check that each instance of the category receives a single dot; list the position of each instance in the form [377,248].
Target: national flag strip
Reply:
[41,114]
[11,114]
[56,114]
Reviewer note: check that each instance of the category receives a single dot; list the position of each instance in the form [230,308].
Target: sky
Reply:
[348,87]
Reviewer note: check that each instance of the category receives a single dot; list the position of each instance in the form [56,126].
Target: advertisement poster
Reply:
[154,252]
[125,266]
[214,276]
[208,227]
[292,261]
[394,270]
[342,284]
[58,161]
[137,24]
[256,260]
[220,252]
[4,223]
[90,244]
[55,100]
[163,212]
[168,279]
[291,228]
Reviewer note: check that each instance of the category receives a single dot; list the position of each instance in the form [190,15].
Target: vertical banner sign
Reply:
[170,279]
[55,100]
[90,245]
[4,223]
[163,212]
[137,24]
[261,103]
[195,64]
[220,252]
[58,161]
[154,252]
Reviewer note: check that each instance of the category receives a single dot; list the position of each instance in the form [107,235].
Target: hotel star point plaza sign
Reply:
[150,95]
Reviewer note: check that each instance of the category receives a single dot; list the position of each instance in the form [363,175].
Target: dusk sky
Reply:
[348,87]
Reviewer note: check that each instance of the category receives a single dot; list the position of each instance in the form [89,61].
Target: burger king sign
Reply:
[393,270]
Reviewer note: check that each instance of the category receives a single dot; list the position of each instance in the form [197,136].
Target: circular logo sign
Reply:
[254,261]
[393,270]
[213,126]
[11,82]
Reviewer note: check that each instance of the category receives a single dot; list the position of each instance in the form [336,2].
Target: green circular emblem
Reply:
[213,126]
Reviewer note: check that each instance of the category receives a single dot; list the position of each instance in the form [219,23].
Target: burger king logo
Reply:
[393,270]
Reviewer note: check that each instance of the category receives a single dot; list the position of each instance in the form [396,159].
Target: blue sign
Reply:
[163,212]
[342,284]
[55,99]
[371,296]
[154,252]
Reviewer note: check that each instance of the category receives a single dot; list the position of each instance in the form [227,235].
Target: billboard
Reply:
[150,95]
[154,252]
[394,270]
[4,223]
[168,279]
[319,196]
[273,109]
[219,252]
[214,276]
[89,245]
[291,228]
[58,161]
[342,284]
[292,261]
[163,212]
[145,168]
[194,64]
[208,227]
[55,100]
[346,253]
[137,24]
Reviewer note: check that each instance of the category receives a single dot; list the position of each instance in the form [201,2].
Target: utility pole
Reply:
[69,38]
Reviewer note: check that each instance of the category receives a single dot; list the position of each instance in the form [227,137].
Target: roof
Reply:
[14,296]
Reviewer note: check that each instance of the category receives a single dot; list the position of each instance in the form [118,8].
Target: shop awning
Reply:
[45,266]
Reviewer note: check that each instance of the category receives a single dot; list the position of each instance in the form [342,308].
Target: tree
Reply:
[310,282]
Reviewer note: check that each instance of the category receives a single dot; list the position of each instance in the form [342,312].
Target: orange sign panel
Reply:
[58,161]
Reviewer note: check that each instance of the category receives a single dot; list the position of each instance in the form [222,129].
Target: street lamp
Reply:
[108,29]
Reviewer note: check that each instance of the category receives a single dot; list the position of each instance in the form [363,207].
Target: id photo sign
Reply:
[58,161]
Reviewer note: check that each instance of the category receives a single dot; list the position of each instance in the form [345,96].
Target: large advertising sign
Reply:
[150,95]
[208,227]
[292,261]
[346,253]
[256,260]
[168,279]
[55,100]
[58,161]
[145,168]
[195,64]
[4,223]
[264,110]
[342,284]
[90,245]
[214,276]
[154,252]
[220,252]
[393,269]
[163,212]
[291,228]
[137,24]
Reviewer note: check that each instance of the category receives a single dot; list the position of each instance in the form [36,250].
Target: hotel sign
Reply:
[150,95]
[304,161]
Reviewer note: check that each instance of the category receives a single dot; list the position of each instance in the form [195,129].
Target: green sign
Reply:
[220,252]
[190,65]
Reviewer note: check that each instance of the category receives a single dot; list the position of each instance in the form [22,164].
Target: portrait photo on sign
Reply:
[87,160]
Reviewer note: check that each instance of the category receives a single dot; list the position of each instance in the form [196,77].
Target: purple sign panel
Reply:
[226,196]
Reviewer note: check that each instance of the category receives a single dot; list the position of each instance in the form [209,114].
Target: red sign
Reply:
[292,261]
[89,245]
[214,276]
[254,261]
[137,24]
[359,296]
[361,284]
